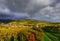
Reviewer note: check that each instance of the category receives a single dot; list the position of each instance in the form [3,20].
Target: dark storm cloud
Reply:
[29,6]
[17,5]
[48,10]
[5,16]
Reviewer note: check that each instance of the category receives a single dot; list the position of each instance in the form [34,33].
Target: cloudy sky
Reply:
[43,10]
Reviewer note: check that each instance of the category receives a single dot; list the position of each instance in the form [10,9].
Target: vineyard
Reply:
[29,30]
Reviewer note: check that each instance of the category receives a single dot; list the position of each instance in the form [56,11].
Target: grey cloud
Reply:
[49,13]
[29,6]
[17,5]
[37,9]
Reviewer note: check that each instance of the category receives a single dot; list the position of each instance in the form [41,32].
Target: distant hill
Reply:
[5,20]
[27,22]
[33,23]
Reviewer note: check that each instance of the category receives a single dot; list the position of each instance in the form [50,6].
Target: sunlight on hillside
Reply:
[29,30]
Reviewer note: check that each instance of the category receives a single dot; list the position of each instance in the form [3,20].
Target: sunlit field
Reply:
[20,34]
[29,30]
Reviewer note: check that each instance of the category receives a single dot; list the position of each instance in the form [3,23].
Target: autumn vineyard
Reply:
[29,30]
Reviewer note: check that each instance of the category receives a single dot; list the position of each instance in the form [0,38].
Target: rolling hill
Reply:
[29,30]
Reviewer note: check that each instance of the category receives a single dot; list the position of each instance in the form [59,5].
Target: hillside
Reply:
[29,30]
[28,23]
